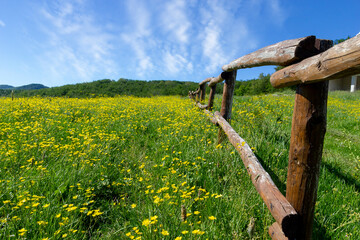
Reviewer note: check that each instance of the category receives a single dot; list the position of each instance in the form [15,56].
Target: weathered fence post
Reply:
[227,99]
[202,92]
[211,97]
[307,138]
[198,95]
[306,145]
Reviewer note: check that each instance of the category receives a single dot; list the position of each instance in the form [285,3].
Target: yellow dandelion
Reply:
[164,232]
[212,218]
[146,222]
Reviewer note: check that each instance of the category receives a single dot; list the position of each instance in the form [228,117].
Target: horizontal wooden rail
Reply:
[339,61]
[284,214]
[283,53]
[311,60]
[219,79]
[276,233]
[201,106]
[205,81]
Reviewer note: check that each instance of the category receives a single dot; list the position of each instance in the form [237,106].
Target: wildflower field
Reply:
[150,168]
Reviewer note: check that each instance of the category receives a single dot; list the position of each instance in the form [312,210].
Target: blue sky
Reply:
[71,41]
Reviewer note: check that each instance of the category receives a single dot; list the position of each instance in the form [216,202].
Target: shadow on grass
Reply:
[319,231]
[336,171]
[280,185]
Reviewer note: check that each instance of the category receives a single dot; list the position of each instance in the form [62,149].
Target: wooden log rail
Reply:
[309,64]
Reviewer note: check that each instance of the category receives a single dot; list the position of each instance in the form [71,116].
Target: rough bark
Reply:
[306,145]
[339,61]
[211,97]
[205,81]
[202,92]
[278,205]
[227,99]
[282,53]
[276,233]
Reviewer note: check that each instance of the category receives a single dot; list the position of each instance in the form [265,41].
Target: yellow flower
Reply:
[212,218]
[146,222]
[198,232]
[133,205]
[69,209]
[185,232]
[196,212]
[97,213]
[164,232]
[46,205]
[58,215]
[178,238]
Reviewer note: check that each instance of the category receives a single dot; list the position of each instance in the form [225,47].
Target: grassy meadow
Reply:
[150,168]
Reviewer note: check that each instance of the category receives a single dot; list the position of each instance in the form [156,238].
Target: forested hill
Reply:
[110,88]
[32,86]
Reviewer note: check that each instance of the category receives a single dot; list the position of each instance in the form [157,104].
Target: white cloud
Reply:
[76,45]
[276,10]
[175,20]
[2,24]
[176,63]
[138,36]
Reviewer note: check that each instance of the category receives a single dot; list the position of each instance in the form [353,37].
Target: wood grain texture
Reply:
[205,81]
[202,92]
[279,206]
[227,100]
[339,61]
[211,97]
[283,53]
[276,233]
[306,145]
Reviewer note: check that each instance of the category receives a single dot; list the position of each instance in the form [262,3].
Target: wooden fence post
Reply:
[211,97]
[227,99]
[202,92]
[306,145]
[198,95]
[307,138]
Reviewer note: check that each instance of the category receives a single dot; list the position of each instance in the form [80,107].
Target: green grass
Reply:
[122,168]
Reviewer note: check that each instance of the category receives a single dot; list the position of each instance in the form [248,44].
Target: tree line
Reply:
[111,88]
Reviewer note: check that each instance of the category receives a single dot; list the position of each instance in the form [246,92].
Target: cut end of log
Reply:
[290,226]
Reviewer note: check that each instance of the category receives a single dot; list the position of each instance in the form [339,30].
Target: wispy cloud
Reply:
[277,11]
[174,63]
[2,24]
[175,21]
[139,36]
[76,45]
[149,40]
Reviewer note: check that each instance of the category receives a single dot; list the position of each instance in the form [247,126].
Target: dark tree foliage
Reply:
[111,88]
[337,41]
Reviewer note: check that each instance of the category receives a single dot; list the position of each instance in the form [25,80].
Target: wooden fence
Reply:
[309,63]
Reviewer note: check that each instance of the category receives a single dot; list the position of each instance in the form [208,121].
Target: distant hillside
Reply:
[32,86]
[6,87]
[110,88]
[107,87]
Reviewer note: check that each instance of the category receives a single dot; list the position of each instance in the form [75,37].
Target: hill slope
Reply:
[32,86]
